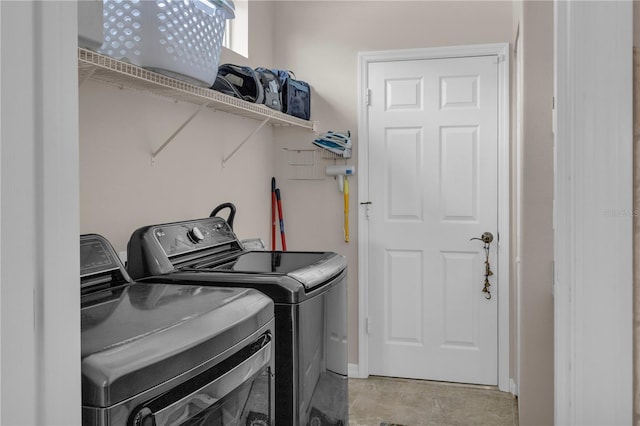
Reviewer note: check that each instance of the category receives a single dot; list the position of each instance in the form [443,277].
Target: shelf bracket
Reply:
[256,130]
[86,77]
[157,152]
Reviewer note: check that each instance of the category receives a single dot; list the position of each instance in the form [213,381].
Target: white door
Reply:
[433,147]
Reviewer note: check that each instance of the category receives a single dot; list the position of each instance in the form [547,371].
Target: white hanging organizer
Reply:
[304,164]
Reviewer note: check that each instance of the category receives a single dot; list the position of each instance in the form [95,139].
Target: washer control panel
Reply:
[184,237]
[96,255]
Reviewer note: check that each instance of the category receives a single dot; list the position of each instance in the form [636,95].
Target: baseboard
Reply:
[513,388]
[353,370]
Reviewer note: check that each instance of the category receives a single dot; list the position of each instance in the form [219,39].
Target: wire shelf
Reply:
[97,67]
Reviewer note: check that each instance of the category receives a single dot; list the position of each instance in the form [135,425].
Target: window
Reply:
[236,35]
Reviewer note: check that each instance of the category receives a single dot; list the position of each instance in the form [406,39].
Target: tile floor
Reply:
[421,403]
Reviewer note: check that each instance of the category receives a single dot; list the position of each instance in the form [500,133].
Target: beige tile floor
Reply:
[418,402]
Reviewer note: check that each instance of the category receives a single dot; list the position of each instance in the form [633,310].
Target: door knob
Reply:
[486,237]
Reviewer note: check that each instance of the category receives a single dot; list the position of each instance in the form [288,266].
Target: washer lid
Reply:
[138,336]
[309,268]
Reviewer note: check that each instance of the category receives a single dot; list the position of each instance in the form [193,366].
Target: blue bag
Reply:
[296,95]
[271,87]
[240,82]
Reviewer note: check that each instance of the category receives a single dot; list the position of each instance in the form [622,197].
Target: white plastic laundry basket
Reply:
[180,38]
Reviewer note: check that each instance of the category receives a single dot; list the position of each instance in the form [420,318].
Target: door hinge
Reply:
[367,97]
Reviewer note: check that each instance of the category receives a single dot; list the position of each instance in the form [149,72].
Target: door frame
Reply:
[39,206]
[501,50]
[594,198]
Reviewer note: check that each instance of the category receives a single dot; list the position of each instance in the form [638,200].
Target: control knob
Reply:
[195,235]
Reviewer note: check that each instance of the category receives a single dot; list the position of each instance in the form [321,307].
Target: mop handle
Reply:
[346,209]
[273,213]
[279,201]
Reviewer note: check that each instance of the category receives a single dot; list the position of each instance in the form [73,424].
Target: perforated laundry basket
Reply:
[179,38]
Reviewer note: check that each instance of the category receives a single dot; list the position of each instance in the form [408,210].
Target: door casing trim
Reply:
[501,51]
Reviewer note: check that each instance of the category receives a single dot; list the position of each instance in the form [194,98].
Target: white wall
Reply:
[120,190]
